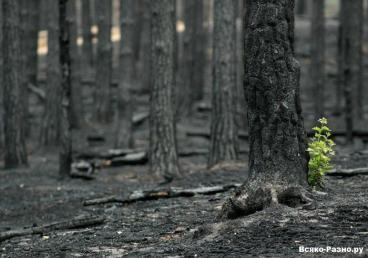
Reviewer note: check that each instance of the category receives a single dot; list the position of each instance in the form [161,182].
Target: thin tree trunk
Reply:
[104,65]
[65,155]
[224,143]
[124,130]
[50,135]
[87,47]
[351,22]
[278,159]
[145,45]
[15,146]
[77,112]
[163,151]
[317,66]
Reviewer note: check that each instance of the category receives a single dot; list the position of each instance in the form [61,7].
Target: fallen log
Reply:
[139,158]
[198,152]
[347,172]
[78,222]
[148,195]
[139,118]
[109,154]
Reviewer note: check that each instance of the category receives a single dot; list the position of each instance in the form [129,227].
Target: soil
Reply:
[185,226]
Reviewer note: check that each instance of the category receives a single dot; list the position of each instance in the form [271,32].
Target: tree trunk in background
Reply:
[124,129]
[163,151]
[77,111]
[317,66]
[104,65]
[194,54]
[278,159]
[15,146]
[351,61]
[87,47]
[50,135]
[65,155]
[340,59]
[199,52]
[145,46]
[29,26]
[224,142]
[1,84]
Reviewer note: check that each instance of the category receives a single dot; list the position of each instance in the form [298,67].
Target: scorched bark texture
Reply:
[224,145]
[163,152]
[278,159]
[15,147]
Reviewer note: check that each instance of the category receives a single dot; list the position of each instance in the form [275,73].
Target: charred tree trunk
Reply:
[104,65]
[163,151]
[50,135]
[77,113]
[1,84]
[65,155]
[87,47]
[351,62]
[278,159]
[124,130]
[317,66]
[15,146]
[224,143]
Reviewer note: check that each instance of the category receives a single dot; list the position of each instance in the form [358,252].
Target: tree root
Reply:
[251,198]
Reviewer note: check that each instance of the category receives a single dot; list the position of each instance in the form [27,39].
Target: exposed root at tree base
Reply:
[251,198]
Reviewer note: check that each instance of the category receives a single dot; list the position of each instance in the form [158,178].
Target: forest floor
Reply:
[183,226]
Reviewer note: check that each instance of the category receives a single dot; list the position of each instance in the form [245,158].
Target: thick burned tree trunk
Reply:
[278,159]
[103,111]
[351,20]
[50,135]
[163,151]
[317,66]
[87,47]
[77,113]
[65,155]
[13,90]
[124,130]
[224,146]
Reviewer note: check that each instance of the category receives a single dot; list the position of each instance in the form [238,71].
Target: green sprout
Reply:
[321,151]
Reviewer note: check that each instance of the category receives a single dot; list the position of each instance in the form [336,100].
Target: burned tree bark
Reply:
[124,129]
[351,62]
[65,154]
[163,151]
[77,111]
[15,146]
[145,45]
[317,68]
[103,111]
[278,159]
[50,135]
[224,142]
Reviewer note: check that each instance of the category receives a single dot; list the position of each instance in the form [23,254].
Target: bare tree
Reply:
[224,146]
[163,151]
[13,91]
[124,130]
[65,155]
[50,135]
[278,159]
[104,65]
[317,66]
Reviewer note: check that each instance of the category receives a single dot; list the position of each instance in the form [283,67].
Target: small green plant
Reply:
[321,151]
